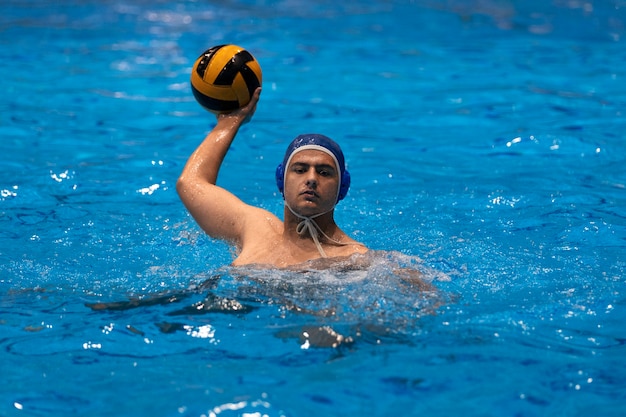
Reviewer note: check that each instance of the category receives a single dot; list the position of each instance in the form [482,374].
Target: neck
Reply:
[318,227]
[325,220]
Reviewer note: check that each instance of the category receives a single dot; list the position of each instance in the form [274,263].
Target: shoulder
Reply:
[352,248]
[259,223]
[353,245]
[260,238]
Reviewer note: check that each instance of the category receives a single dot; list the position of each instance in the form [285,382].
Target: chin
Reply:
[312,211]
[307,211]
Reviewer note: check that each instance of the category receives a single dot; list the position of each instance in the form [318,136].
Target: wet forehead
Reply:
[312,157]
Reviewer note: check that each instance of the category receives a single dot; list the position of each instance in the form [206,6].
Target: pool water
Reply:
[486,145]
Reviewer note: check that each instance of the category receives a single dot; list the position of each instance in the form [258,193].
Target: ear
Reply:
[345,185]
[280,178]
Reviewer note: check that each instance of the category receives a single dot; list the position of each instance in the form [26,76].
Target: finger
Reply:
[255,98]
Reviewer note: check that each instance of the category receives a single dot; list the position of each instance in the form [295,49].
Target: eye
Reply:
[325,171]
[299,169]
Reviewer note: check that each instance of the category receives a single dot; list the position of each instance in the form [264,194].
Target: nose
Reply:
[311,180]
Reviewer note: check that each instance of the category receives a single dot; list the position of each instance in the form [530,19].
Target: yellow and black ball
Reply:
[224,78]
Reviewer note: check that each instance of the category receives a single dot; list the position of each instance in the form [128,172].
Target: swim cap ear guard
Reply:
[319,142]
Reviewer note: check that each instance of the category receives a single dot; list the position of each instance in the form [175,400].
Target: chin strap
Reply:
[309,225]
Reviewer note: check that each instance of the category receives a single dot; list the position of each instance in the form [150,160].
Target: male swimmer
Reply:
[312,179]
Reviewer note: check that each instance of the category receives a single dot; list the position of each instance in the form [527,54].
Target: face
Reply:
[311,182]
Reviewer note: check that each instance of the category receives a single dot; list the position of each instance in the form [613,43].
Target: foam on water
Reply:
[484,137]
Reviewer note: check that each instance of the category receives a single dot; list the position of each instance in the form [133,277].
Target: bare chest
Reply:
[282,253]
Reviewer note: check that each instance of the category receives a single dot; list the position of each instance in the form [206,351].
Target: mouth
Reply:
[309,194]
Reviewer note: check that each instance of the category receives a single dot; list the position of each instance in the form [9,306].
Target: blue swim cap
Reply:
[317,142]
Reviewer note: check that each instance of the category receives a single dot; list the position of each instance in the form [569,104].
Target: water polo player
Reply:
[312,179]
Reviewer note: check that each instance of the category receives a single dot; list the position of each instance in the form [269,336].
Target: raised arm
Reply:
[215,209]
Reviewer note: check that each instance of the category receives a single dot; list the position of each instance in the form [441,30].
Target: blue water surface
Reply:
[485,139]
